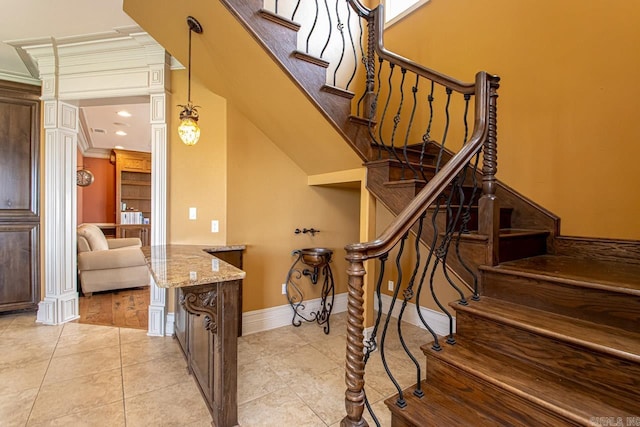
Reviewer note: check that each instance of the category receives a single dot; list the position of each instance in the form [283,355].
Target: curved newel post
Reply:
[489,206]
[354,376]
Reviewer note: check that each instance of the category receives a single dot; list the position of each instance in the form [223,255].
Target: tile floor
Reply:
[86,375]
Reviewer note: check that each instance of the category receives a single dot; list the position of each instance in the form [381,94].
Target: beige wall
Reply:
[268,198]
[567,133]
[197,175]
[237,175]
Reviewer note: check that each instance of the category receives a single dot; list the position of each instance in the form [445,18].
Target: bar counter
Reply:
[206,319]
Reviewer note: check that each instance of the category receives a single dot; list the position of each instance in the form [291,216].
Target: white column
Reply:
[59,247]
[158,304]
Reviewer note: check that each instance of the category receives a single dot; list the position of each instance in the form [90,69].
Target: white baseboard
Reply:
[438,321]
[276,317]
[168,329]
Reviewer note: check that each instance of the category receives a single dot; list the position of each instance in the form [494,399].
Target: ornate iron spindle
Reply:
[426,137]
[326,6]
[353,47]
[400,402]
[446,129]
[295,10]
[276,7]
[313,26]
[408,296]
[397,119]
[340,27]
[414,90]
[389,148]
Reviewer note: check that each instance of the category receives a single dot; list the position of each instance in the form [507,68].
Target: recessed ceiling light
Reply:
[124,113]
[121,133]
[119,147]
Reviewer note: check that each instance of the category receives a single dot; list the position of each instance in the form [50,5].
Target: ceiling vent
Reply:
[98,130]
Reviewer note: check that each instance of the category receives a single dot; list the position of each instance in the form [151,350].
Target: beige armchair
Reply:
[109,264]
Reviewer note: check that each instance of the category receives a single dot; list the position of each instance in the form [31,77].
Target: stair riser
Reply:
[606,373]
[522,247]
[478,395]
[594,305]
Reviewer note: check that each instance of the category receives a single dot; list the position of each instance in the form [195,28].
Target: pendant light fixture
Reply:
[189,130]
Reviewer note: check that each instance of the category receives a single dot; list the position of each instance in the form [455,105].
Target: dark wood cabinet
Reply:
[19,196]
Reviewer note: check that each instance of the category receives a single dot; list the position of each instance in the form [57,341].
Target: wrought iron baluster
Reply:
[400,402]
[414,90]
[396,121]
[408,296]
[446,129]
[353,47]
[326,5]
[388,148]
[276,7]
[426,137]
[373,108]
[341,29]
[295,10]
[313,27]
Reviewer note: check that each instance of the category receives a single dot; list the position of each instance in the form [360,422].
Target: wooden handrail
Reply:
[377,15]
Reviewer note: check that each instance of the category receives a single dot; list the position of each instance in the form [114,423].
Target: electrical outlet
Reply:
[284,289]
[390,285]
[215,264]
[193,213]
[214,226]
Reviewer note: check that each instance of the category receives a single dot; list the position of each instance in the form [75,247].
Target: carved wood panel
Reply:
[19,196]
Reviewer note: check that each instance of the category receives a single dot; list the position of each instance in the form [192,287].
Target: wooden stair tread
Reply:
[596,337]
[505,233]
[554,393]
[436,408]
[595,273]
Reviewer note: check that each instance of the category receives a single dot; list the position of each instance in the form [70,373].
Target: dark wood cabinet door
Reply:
[201,354]
[19,196]
[19,266]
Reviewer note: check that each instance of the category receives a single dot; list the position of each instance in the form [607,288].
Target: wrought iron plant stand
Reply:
[318,259]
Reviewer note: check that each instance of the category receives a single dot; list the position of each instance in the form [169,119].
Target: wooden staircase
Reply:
[555,337]
[554,340]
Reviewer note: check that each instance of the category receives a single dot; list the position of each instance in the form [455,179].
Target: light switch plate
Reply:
[193,213]
[214,226]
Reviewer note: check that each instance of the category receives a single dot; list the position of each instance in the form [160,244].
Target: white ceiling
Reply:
[35,19]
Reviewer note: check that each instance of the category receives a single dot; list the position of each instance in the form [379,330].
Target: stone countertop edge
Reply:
[224,248]
[175,266]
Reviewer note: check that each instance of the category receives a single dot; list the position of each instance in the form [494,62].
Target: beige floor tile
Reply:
[75,365]
[333,346]
[30,332]
[132,335]
[299,362]
[83,341]
[22,376]
[273,342]
[280,408]
[17,352]
[255,379]
[111,415]
[16,406]
[75,328]
[178,405]
[64,398]
[324,394]
[154,374]
[149,348]
[377,380]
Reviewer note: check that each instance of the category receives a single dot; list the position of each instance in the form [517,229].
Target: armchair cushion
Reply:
[117,258]
[91,238]
[124,242]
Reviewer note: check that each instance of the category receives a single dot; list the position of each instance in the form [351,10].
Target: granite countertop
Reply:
[224,248]
[175,266]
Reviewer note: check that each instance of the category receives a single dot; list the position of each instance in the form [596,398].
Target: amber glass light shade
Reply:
[189,131]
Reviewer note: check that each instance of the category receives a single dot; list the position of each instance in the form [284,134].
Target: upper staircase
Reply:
[546,329]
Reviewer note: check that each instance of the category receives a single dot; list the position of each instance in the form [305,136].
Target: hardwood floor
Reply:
[123,308]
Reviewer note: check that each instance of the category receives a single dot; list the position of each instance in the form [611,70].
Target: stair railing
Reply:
[404,106]
[436,199]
